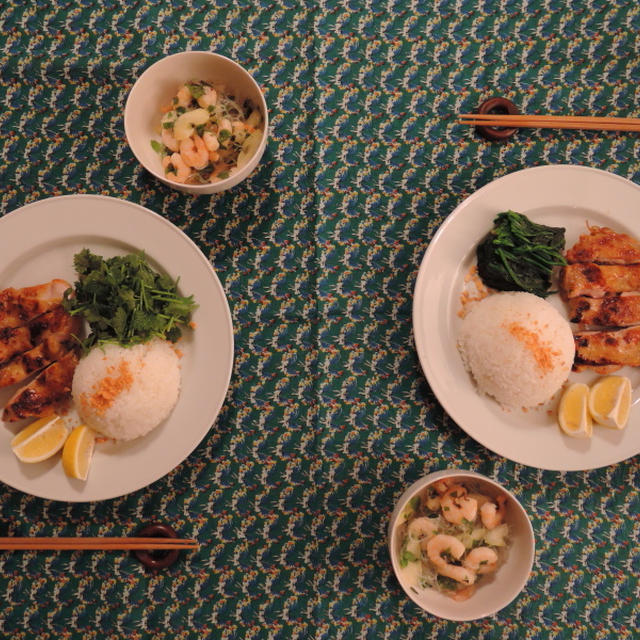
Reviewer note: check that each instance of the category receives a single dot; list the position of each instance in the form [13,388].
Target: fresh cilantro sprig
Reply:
[125,301]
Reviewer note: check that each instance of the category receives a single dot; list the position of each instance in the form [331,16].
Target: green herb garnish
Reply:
[519,255]
[406,557]
[223,175]
[224,134]
[125,301]
[196,90]
[158,147]
[447,583]
[168,125]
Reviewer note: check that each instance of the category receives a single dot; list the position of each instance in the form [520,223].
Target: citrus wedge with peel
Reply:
[573,411]
[610,401]
[40,440]
[78,452]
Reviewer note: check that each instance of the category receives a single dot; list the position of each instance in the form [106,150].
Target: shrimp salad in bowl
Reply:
[453,536]
[205,135]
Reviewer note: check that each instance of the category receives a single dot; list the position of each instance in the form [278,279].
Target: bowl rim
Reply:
[418,486]
[196,188]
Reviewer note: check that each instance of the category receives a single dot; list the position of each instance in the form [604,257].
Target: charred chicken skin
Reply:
[598,280]
[37,335]
[52,335]
[20,306]
[617,310]
[618,347]
[605,246]
[49,391]
[601,284]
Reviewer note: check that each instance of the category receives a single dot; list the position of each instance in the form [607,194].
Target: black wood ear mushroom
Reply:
[497,105]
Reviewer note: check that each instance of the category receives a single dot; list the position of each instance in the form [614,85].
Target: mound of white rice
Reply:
[517,347]
[125,392]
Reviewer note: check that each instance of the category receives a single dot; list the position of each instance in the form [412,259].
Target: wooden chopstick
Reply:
[593,123]
[94,544]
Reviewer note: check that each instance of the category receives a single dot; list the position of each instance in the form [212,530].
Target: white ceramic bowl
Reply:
[157,86]
[503,586]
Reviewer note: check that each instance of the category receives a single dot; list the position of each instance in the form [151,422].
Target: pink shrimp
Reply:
[440,544]
[184,96]
[194,152]
[169,141]
[175,169]
[481,560]
[460,595]
[458,506]
[493,513]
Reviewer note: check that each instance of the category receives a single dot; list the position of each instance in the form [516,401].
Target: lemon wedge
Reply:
[573,412]
[78,451]
[40,440]
[610,401]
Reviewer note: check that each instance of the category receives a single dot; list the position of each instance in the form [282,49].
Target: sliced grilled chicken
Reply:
[604,348]
[618,310]
[53,334]
[14,340]
[605,246]
[49,391]
[598,280]
[19,306]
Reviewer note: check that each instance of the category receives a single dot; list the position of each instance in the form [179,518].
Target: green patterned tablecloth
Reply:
[328,417]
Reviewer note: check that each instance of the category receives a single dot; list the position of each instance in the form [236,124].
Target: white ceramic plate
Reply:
[38,244]
[558,195]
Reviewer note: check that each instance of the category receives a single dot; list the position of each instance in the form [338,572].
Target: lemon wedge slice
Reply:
[573,412]
[78,451]
[610,401]
[40,440]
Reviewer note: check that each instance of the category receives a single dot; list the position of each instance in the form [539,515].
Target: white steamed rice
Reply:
[517,347]
[124,393]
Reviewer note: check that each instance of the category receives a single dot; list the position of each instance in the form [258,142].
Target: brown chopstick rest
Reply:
[497,105]
[157,559]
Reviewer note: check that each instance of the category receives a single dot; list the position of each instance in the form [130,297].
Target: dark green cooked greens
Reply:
[519,255]
[125,301]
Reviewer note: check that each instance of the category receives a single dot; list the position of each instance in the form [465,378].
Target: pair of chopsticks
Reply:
[94,544]
[550,122]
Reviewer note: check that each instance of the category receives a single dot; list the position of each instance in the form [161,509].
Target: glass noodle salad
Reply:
[453,536]
[206,135]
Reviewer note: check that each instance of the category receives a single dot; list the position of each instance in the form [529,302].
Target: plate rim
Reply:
[214,281]
[419,341]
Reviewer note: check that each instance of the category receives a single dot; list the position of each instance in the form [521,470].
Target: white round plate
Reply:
[557,195]
[38,244]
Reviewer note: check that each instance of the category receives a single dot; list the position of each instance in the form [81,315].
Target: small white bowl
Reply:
[159,84]
[510,577]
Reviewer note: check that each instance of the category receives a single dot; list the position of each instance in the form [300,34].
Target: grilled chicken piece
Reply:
[14,340]
[53,334]
[19,306]
[596,281]
[604,246]
[620,310]
[604,348]
[46,393]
